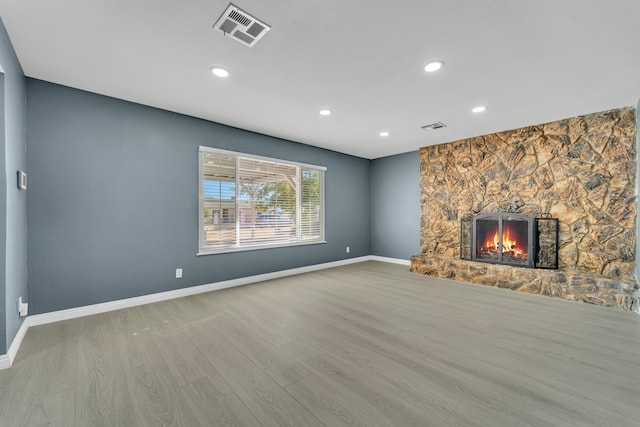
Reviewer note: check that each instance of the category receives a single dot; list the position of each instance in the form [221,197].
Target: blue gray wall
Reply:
[395,206]
[113,200]
[13,202]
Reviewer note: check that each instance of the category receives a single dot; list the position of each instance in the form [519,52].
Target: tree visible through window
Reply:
[250,202]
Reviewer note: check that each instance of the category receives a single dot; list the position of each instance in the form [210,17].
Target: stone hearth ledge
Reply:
[570,285]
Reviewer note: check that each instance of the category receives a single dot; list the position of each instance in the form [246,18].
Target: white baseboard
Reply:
[6,360]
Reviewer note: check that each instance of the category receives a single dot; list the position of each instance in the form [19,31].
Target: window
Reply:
[250,202]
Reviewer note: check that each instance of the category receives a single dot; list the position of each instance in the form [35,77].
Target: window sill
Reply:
[255,248]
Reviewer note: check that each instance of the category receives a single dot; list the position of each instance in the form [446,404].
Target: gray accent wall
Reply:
[13,202]
[113,200]
[395,206]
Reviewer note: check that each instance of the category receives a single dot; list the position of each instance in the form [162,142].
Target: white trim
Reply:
[257,248]
[389,260]
[205,149]
[6,360]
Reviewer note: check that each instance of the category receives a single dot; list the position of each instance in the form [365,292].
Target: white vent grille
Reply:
[241,26]
[434,126]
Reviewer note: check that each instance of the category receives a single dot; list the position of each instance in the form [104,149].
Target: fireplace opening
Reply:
[508,238]
[500,238]
[503,239]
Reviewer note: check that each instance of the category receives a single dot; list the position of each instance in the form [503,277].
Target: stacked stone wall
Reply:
[580,170]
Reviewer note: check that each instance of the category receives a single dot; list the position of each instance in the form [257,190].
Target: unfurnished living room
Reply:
[302,213]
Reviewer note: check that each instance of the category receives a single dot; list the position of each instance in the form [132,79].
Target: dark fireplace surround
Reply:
[510,239]
[580,173]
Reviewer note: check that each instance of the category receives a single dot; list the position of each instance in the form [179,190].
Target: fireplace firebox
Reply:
[504,239]
[511,239]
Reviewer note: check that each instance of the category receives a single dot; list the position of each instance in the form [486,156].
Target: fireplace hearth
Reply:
[510,239]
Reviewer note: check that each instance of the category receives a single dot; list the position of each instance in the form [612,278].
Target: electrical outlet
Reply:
[348,249]
[178,273]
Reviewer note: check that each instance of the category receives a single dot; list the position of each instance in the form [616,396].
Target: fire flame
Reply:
[508,244]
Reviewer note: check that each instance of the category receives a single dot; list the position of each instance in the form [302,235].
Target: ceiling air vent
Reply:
[433,126]
[241,26]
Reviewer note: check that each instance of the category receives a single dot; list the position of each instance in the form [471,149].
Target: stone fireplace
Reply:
[581,172]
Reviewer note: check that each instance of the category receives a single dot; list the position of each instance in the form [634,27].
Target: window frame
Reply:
[202,250]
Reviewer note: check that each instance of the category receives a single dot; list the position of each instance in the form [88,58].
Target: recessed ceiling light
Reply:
[433,66]
[219,72]
[384,133]
[325,112]
[479,109]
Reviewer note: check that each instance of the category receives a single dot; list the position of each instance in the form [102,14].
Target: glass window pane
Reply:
[310,205]
[218,200]
[256,202]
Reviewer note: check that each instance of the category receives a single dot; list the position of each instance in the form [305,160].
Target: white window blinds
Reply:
[249,202]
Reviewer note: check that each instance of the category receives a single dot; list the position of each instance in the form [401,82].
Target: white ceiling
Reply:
[529,61]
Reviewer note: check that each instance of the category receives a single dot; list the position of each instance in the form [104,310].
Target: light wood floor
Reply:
[368,344]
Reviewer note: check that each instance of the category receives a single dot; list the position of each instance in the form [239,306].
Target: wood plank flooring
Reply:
[368,344]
